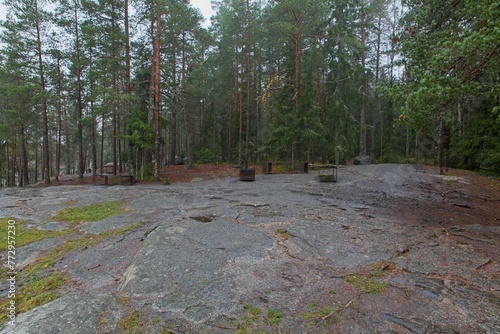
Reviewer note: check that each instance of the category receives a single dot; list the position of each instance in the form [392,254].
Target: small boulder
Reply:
[180,160]
[363,160]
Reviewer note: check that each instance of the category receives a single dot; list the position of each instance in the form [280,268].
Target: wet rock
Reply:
[188,266]
[73,314]
[363,160]
[208,248]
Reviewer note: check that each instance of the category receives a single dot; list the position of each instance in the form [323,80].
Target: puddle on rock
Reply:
[201,219]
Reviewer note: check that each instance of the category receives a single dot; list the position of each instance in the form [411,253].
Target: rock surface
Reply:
[386,249]
[363,160]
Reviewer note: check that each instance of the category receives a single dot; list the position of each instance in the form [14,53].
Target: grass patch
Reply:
[132,323]
[33,292]
[284,233]
[315,312]
[274,317]
[316,315]
[23,234]
[254,320]
[365,284]
[124,300]
[90,213]
[39,291]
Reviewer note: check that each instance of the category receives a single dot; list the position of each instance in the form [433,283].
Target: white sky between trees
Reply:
[203,5]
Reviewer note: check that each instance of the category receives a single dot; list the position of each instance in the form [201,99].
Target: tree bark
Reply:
[249,79]
[81,160]
[363,114]
[46,153]
[184,104]
[59,118]
[128,88]
[156,83]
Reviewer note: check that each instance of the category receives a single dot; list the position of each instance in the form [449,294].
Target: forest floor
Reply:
[386,249]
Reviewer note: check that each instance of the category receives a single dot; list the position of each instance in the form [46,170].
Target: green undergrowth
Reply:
[90,213]
[366,284]
[37,291]
[21,234]
[370,283]
[33,291]
[132,323]
[285,234]
[255,321]
[314,315]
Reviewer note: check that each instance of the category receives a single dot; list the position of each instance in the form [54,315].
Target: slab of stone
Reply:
[182,266]
[72,314]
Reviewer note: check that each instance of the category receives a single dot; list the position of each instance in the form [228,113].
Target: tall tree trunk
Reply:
[184,104]
[101,167]
[24,177]
[93,130]
[12,181]
[297,17]
[363,114]
[377,56]
[128,89]
[377,77]
[59,117]
[67,138]
[116,92]
[156,83]
[249,77]
[230,120]
[41,71]
[81,153]
[173,114]
[240,92]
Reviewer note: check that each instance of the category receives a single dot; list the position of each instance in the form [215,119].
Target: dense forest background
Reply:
[142,84]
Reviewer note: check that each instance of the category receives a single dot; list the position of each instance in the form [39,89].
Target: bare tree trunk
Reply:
[296,38]
[240,138]
[93,130]
[363,114]
[102,142]
[59,118]
[24,177]
[81,153]
[67,138]
[12,181]
[115,107]
[46,153]
[377,57]
[128,89]
[184,104]
[230,121]
[249,77]
[173,117]
[156,66]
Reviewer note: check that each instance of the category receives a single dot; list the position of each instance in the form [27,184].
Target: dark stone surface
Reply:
[363,160]
[284,243]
